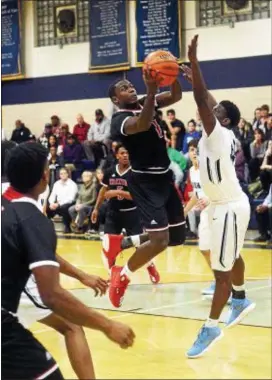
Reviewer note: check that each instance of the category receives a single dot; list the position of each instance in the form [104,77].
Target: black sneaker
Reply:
[261,239]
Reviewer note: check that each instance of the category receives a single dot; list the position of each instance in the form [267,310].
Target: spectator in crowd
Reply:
[98,138]
[244,133]
[176,129]
[264,218]
[191,134]
[268,132]
[43,139]
[81,129]
[21,133]
[240,162]
[55,162]
[178,161]
[257,152]
[99,175]
[64,134]
[257,118]
[266,168]
[111,159]
[264,116]
[53,141]
[62,198]
[85,200]
[56,128]
[73,153]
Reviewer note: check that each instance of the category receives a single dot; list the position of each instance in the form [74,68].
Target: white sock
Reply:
[135,240]
[151,262]
[126,271]
[211,322]
[239,288]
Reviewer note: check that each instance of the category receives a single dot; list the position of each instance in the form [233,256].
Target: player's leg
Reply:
[240,304]
[76,345]
[23,357]
[112,238]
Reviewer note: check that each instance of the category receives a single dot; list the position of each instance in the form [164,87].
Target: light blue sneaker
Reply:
[207,336]
[209,291]
[238,310]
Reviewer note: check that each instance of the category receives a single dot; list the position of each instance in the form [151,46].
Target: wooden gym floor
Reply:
[167,317]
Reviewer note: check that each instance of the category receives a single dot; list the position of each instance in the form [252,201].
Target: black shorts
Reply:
[158,204]
[117,220]
[23,357]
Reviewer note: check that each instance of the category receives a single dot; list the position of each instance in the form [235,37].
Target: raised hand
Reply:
[151,82]
[192,49]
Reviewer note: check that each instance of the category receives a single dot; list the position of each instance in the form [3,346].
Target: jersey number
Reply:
[157,128]
[119,196]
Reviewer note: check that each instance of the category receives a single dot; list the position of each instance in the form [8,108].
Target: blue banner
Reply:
[158,27]
[109,36]
[11,39]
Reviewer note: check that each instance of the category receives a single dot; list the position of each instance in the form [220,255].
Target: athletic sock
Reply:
[150,263]
[126,271]
[211,322]
[130,241]
[238,292]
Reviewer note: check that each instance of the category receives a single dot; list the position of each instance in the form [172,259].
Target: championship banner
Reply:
[109,36]
[11,39]
[158,27]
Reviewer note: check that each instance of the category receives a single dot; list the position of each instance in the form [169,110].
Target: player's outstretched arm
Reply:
[142,123]
[200,90]
[167,98]
[100,199]
[67,306]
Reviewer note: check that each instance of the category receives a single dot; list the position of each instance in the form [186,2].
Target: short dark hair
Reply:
[6,147]
[265,107]
[260,132]
[172,111]
[192,121]
[118,147]
[112,88]
[232,111]
[193,143]
[25,166]
[159,112]
[99,112]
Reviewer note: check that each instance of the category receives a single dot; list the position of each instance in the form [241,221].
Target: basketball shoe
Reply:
[118,286]
[153,273]
[111,247]
[206,338]
[238,310]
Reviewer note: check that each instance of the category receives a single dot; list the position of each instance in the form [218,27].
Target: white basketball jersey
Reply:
[195,181]
[217,172]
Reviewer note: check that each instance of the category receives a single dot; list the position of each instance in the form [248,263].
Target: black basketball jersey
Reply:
[28,240]
[114,180]
[147,150]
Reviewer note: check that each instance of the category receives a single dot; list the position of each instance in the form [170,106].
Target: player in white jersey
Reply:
[229,209]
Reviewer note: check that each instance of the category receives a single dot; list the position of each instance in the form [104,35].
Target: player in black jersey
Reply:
[151,183]
[28,244]
[121,213]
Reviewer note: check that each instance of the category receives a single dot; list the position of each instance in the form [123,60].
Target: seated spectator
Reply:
[81,129]
[178,162]
[176,129]
[244,133]
[264,218]
[268,132]
[264,117]
[257,152]
[62,197]
[43,139]
[257,119]
[85,200]
[99,175]
[163,124]
[191,134]
[56,128]
[240,162]
[73,152]
[111,159]
[64,133]
[53,141]
[266,168]
[55,163]
[21,133]
[98,138]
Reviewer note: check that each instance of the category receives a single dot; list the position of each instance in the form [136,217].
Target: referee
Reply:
[28,245]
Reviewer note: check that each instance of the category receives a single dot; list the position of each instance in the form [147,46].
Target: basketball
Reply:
[163,65]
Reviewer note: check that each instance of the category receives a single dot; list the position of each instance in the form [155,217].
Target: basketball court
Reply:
[167,317]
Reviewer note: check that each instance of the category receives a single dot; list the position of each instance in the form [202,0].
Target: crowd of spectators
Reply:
[75,154]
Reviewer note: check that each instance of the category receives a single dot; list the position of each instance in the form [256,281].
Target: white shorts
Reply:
[204,231]
[227,225]
[31,308]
